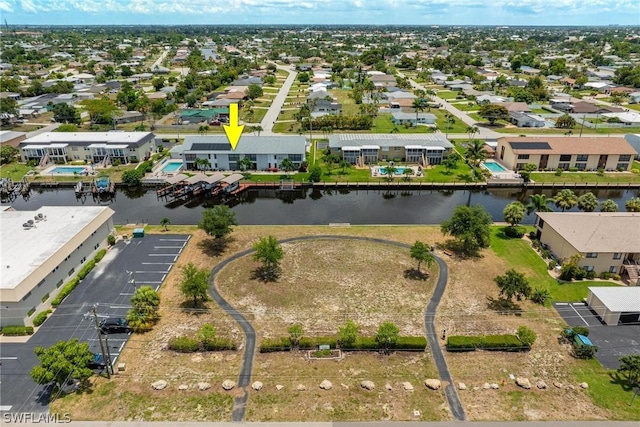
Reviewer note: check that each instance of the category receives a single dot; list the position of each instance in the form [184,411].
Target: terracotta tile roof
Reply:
[569,145]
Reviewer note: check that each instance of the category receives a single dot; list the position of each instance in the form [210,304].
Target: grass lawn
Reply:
[464,106]
[348,104]
[447,94]
[633,106]
[586,177]
[14,170]
[383,124]
[456,127]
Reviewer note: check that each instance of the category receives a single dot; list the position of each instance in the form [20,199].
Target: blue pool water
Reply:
[494,167]
[172,167]
[68,170]
[399,171]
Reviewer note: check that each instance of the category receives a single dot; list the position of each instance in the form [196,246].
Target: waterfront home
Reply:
[402,118]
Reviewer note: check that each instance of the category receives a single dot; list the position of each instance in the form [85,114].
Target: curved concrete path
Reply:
[240,403]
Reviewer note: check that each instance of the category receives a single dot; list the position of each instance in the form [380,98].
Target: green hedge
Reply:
[505,342]
[101,253]
[41,317]
[218,344]
[270,345]
[65,291]
[17,330]
[86,269]
[184,344]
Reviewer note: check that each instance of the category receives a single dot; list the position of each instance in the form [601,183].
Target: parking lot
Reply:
[612,341]
[108,289]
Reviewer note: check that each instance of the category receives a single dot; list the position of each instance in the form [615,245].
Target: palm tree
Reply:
[608,206]
[538,203]
[565,199]
[257,129]
[245,164]
[588,202]
[203,129]
[407,174]
[390,171]
[287,165]
[164,222]
[202,164]
[475,154]
[633,205]
[472,130]
[418,105]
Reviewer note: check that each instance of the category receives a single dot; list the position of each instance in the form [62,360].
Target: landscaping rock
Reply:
[203,386]
[432,383]
[344,386]
[279,387]
[183,387]
[486,386]
[583,385]
[159,385]
[257,386]
[523,382]
[369,385]
[494,386]
[462,386]
[571,387]
[541,385]
[326,385]
[388,387]
[407,386]
[301,387]
[228,384]
[476,388]
[557,384]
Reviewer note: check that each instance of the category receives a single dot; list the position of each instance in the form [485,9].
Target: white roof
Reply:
[371,147]
[25,250]
[351,148]
[618,298]
[626,117]
[27,147]
[103,137]
[58,145]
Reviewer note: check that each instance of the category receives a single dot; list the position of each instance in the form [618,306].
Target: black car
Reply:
[113,325]
[97,362]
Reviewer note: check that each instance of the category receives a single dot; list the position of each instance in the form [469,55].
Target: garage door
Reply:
[629,318]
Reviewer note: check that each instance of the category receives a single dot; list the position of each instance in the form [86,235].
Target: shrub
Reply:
[411,343]
[462,343]
[330,341]
[540,296]
[219,344]
[573,169]
[322,353]
[570,332]
[600,172]
[615,277]
[504,342]
[532,236]
[552,264]
[514,232]
[184,344]
[580,274]
[30,312]
[17,330]
[605,275]
[559,171]
[584,351]
[86,269]
[65,291]
[305,343]
[111,240]
[591,274]
[270,345]
[41,317]
[101,253]
[526,335]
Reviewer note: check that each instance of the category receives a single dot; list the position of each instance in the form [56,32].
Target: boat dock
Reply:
[10,189]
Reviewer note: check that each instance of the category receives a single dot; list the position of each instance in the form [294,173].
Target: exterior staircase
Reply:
[44,160]
[632,270]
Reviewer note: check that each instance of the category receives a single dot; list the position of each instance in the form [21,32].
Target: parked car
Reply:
[113,325]
[97,362]
[215,123]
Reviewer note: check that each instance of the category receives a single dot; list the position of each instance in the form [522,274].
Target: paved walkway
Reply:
[278,102]
[240,403]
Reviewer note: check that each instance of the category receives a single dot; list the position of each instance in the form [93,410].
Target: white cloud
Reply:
[5,6]
[28,6]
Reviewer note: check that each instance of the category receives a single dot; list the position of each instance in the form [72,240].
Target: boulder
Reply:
[486,386]
[432,383]
[557,384]
[476,388]
[388,387]
[407,386]
[159,385]
[301,387]
[228,384]
[583,385]
[541,385]
[368,385]
[326,385]
[523,382]
[279,387]
[183,387]
[203,386]
[257,386]
[494,386]
[462,386]
[571,387]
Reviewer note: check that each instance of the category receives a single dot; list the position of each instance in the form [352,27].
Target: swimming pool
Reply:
[68,170]
[399,170]
[172,167]
[495,167]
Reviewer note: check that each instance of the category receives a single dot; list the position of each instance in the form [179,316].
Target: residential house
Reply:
[634,98]
[515,107]
[266,152]
[246,81]
[323,107]
[584,107]
[402,118]
[582,153]
[128,117]
[362,149]
[209,54]
[92,147]
[634,141]
[382,80]
[12,138]
[605,241]
[626,118]
[530,71]
[203,115]
[526,120]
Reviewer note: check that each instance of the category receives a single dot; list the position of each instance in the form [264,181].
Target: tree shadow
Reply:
[415,274]
[458,249]
[618,379]
[266,274]
[215,247]
[464,177]
[504,306]
[196,309]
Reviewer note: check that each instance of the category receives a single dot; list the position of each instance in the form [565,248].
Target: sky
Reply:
[309,12]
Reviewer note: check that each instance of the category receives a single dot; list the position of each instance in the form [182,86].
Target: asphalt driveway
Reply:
[109,288]
[612,341]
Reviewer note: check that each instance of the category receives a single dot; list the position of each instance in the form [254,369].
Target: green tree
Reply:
[472,130]
[101,110]
[570,268]
[565,122]
[565,199]
[451,162]
[514,213]
[538,203]
[132,177]
[201,163]
[194,283]
[8,105]
[387,335]
[608,206]
[269,252]
[67,127]
[633,205]
[470,227]
[493,113]
[588,202]
[526,335]
[421,252]
[158,83]
[540,295]
[513,284]
[315,173]
[348,334]
[303,77]
[419,105]
[65,113]
[191,100]
[143,314]
[475,153]
[630,369]
[164,223]
[245,164]
[8,154]
[287,165]
[295,333]
[218,221]
[254,91]
[62,362]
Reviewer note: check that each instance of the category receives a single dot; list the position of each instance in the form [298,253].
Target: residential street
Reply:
[277,104]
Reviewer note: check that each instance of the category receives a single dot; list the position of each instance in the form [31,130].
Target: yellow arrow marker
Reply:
[233,129]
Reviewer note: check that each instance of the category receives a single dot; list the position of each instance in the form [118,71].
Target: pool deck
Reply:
[376,171]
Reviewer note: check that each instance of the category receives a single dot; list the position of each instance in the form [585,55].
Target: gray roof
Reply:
[8,135]
[87,138]
[606,232]
[247,145]
[386,139]
[618,298]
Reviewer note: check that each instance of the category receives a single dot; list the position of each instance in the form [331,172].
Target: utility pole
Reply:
[102,348]
[109,365]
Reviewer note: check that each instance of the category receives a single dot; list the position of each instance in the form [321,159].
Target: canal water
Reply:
[308,206]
